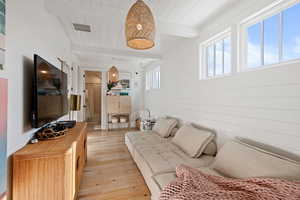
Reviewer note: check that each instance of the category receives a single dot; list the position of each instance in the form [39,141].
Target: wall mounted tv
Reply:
[50,96]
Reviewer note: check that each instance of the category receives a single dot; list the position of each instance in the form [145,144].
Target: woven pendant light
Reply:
[113,74]
[140,27]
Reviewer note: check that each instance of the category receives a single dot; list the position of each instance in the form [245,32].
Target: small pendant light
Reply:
[113,74]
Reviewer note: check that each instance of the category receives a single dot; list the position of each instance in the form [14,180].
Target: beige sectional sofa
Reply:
[157,158]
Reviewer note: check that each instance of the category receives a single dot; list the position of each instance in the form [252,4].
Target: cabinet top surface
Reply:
[52,147]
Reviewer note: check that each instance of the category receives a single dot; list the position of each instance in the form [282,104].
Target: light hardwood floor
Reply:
[110,173]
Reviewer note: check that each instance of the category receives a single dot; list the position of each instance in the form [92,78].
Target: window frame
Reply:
[274,9]
[150,79]
[203,72]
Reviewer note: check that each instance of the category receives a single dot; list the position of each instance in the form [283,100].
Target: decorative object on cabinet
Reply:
[51,134]
[113,74]
[125,83]
[57,163]
[140,27]
[123,119]
[114,120]
[124,94]
[110,85]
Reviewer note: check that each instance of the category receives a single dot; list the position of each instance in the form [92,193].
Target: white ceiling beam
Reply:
[177,30]
[114,52]
[65,9]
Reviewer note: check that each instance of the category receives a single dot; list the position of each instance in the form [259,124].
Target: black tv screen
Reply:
[50,98]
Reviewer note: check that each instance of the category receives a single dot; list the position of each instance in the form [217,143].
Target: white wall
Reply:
[263,105]
[30,29]
[138,88]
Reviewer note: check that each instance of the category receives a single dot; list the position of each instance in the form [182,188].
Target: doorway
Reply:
[93,97]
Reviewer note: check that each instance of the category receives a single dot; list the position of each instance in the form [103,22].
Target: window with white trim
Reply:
[153,78]
[216,56]
[273,39]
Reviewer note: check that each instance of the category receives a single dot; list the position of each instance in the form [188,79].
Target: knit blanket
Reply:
[192,184]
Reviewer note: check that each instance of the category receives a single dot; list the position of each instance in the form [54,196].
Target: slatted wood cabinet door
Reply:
[113,104]
[50,170]
[118,104]
[125,104]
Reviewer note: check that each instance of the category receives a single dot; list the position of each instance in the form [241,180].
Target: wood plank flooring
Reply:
[110,173]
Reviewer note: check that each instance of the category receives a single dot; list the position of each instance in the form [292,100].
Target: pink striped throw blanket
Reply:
[192,184]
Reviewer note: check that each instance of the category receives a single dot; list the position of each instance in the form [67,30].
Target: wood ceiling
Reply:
[175,19]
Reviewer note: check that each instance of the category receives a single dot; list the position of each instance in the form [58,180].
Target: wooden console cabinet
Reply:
[50,170]
[118,104]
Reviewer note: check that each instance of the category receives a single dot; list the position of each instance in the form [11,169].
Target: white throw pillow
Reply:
[192,141]
[164,126]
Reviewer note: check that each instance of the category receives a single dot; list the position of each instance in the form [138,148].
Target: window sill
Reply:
[264,67]
[151,90]
[216,77]
[245,69]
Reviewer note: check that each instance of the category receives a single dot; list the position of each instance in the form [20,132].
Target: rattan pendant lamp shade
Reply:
[140,27]
[113,74]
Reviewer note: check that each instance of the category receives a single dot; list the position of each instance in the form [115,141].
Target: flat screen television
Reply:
[50,98]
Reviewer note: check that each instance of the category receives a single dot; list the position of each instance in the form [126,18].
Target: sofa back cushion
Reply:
[192,141]
[241,160]
[164,126]
[275,150]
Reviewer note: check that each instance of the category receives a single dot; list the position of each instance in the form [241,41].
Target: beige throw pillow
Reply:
[211,149]
[164,126]
[192,141]
[238,160]
[174,131]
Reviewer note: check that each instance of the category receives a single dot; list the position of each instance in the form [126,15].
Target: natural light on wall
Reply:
[275,39]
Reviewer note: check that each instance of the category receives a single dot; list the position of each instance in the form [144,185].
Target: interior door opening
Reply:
[93,98]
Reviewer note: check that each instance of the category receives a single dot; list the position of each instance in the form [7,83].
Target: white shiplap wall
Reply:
[263,105]
[29,30]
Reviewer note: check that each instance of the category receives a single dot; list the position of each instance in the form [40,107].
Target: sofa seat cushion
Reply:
[165,157]
[164,179]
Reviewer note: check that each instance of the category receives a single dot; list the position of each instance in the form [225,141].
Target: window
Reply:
[274,39]
[217,56]
[153,79]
